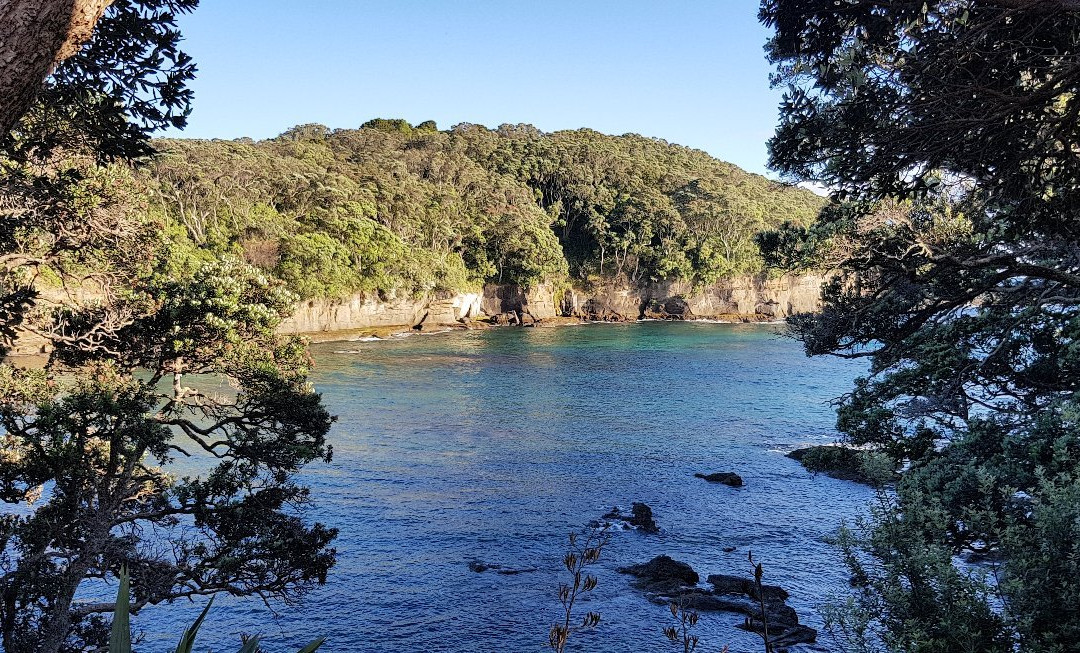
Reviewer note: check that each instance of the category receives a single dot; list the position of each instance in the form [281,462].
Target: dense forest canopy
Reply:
[951,127]
[396,208]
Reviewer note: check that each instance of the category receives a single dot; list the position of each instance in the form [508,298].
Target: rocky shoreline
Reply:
[745,299]
[764,607]
[741,299]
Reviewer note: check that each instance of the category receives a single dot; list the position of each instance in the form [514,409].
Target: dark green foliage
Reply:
[129,81]
[392,208]
[120,639]
[950,128]
[846,463]
[102,436]
[151,355]
[909,594]
[100,105]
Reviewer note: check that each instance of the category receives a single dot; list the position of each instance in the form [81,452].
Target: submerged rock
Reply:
[727,478]
[514,571]
[480,567]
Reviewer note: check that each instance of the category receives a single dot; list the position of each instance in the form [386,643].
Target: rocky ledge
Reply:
[665,580]
[479,566]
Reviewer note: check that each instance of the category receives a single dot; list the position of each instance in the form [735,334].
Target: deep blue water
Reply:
[495,445]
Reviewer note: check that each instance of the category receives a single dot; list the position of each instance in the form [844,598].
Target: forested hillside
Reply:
[391,207]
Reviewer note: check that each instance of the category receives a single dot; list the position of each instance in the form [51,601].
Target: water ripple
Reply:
[493,446]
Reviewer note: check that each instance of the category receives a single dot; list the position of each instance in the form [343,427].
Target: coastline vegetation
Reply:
[147,361]
[394,208]
[949,131]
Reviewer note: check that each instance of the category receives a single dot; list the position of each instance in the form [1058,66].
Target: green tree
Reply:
[149,358]
[950,129]
[179,366]
[468,206]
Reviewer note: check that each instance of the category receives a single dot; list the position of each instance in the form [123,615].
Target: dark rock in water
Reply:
[727,478]
[743,596]
[668,580]
[725,584]
[480,567]
[729,549]
[781,635]
[514,572]
[640,516]
[661,574]
[703,600]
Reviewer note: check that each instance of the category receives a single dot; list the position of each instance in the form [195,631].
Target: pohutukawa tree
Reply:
[150,359]
[35,36]
[951,130]
[192,367]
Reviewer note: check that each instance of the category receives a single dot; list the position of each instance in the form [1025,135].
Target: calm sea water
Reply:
[495,445]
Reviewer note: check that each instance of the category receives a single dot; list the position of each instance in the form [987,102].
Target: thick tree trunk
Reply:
[35,35]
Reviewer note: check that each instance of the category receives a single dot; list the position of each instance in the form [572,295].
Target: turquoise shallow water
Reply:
[494,445]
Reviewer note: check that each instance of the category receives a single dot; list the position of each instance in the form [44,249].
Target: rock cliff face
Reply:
[360,312]
[748,298]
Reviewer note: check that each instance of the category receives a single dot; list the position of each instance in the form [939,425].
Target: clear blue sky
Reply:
[689,71]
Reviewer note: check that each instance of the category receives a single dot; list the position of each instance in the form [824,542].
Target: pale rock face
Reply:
[769,298]
[354,312]
[467,306]
[751,298]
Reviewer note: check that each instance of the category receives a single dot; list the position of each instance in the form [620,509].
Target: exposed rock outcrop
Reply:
[845,463]
[662,574]
[531,305]
[727,478]
[740,299]
[360,311]
[667,580]
[747,299]
[640,517]
[669,308]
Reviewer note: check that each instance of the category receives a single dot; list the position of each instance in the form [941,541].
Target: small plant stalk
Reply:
[577,559]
